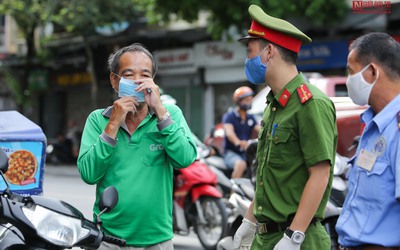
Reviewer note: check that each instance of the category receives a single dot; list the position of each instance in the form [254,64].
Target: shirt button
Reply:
[273,109]
[261,183]
[259,208]
[268,135]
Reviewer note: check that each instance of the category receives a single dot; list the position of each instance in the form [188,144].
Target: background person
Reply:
[238,127]
[74,135]
[134,145]
[371,212]
[296,144]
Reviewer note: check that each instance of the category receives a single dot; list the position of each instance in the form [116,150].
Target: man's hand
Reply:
[286,244]
[244,235]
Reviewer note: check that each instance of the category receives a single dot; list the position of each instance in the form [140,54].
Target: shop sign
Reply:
[219,54]
[323,55]
[176,61]
[72,79]
[38,80]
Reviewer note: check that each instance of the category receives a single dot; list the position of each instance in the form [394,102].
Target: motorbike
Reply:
[198,204]
[338,193]
[239,200]
[335,202]
[37,222]
[211,156]
[217,165]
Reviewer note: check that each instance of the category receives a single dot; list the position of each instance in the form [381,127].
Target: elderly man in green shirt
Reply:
[297,144]
[134,145]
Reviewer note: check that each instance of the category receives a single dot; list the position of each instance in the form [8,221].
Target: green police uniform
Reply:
[298,131]
[294,136]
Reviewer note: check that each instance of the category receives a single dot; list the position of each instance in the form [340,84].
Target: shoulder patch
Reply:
[398,119]
[304,93]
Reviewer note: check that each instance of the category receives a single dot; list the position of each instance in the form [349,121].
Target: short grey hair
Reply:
[380,48]
[113,59]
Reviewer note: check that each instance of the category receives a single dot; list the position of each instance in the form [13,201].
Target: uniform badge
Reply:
[284,97]
[304,93]
[379,147]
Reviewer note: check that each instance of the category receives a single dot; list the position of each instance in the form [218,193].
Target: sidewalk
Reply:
[61,170]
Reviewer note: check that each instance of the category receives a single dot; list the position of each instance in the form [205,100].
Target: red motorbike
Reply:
[198,204]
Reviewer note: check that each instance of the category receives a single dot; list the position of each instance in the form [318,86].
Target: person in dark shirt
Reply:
[238,126]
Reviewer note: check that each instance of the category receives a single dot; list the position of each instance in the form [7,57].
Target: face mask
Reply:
[127,88]
[359,89]
[255,69]
[245,106]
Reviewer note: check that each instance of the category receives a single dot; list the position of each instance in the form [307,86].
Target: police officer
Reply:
[297,144]
[371,212]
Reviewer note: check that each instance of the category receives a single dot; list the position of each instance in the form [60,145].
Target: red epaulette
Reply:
[284,97]
[304,93]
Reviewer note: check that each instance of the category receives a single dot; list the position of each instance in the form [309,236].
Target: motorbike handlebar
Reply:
[114,240]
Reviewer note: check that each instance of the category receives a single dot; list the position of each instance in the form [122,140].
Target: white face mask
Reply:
[359,89]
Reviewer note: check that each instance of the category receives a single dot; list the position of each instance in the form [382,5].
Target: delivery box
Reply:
[24,143]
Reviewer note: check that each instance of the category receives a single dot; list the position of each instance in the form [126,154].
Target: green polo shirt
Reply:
[140,166]
[294,136]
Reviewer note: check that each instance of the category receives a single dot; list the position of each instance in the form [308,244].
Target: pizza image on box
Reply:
[22,167]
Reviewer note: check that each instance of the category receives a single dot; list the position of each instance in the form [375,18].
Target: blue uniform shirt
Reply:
[243,129]
[371,212]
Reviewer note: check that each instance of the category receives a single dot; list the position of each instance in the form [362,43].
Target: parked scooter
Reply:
[37,222]
[198,204]
[336,199]
[240,199]
[338,194]
[217,164]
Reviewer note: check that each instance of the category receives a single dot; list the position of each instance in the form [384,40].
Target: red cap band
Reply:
[274,36]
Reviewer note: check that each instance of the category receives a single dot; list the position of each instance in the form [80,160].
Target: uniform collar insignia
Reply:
[284,98]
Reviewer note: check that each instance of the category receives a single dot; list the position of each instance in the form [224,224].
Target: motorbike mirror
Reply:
[108,199]
[3,161]
[212,131]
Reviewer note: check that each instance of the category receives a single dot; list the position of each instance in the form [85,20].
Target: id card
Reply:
[366,160]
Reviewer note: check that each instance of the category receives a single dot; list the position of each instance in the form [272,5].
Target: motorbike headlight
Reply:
[56,228]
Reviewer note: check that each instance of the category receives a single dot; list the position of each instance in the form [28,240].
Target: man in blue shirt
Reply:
[370,217]
[238,126]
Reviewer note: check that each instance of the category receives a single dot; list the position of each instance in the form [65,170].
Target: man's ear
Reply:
[373,69]
[114,81]
[374,72]
[271,50]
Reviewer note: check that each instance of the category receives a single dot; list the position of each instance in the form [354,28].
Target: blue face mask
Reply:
[255,69]
[127,88]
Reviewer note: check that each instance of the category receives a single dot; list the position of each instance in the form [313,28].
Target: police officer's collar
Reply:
[284,95]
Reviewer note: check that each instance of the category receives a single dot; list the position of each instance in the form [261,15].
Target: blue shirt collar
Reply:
[383,118]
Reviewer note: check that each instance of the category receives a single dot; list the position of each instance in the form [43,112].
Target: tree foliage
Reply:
[81,17]
[28,15]
[224,14]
